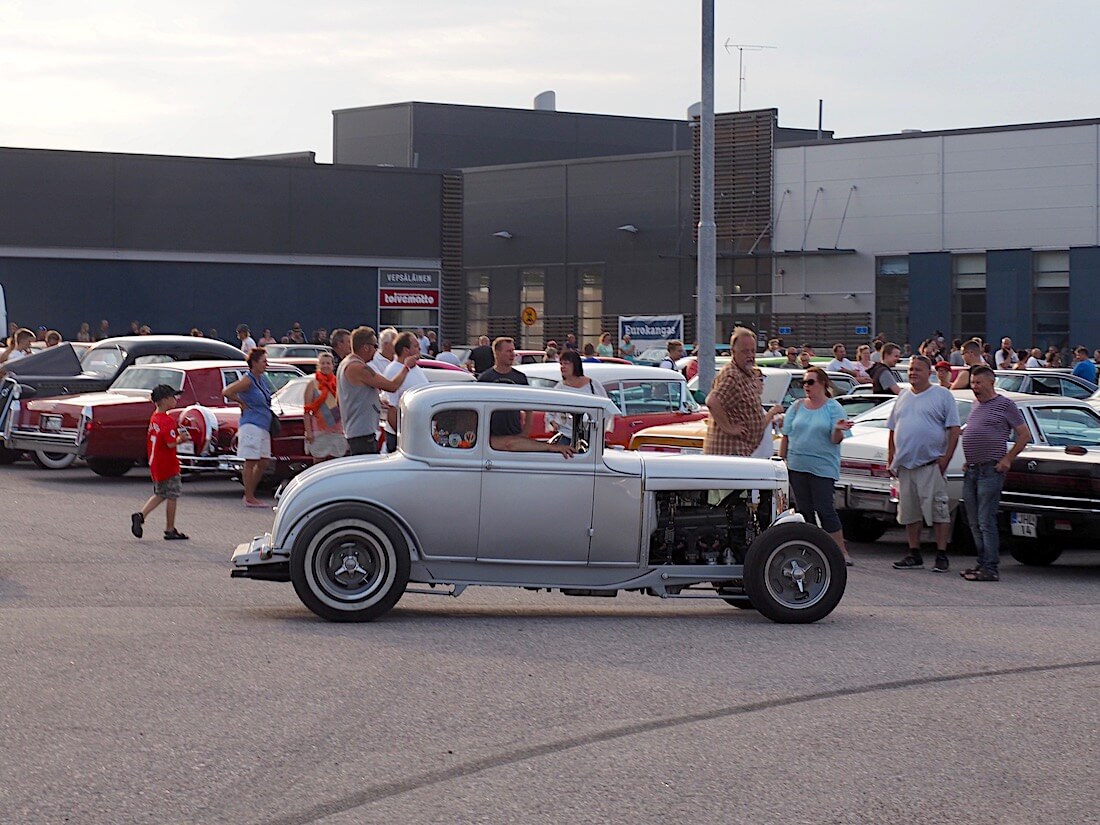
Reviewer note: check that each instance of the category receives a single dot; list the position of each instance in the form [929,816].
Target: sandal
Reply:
[981,575]
[970,571]
[174,535]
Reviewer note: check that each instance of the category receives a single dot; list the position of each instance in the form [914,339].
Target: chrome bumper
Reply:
[211,463]
[847,497]
[257,559]
[62,441]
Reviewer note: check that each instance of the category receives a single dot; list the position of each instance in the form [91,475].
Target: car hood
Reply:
[669,471]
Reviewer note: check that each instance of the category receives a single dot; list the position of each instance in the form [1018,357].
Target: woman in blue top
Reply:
[254,433]
[812,431]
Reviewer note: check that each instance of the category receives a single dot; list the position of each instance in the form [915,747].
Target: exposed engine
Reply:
[708,526]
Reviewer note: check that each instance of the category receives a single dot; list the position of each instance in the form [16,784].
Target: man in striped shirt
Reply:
[988,426]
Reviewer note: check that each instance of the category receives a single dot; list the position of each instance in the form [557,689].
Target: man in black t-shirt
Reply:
[507,429]
[481,356]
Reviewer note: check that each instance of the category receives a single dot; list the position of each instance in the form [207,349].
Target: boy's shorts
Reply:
[169,488]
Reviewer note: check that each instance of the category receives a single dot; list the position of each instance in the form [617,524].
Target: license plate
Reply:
[50,423]
[1024,524]
[186,448]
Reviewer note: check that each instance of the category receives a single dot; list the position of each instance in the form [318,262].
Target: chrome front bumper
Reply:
[61,441]
[257,559]
[847,497]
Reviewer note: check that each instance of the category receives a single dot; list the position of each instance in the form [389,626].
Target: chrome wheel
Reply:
[797,574]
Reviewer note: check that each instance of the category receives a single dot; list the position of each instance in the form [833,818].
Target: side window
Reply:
[1045,385]
[153,359]
[229,376]
[1009,383]
[1068,426]
[277,379]
[1073,390]
[641,397]
[455,429]
[557,426]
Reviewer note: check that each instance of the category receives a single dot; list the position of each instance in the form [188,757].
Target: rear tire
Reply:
[350,563]
[860,528]
[795,573]
[52,461]
[110,467]
[1032,553]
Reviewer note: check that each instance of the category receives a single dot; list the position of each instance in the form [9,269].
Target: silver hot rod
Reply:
[458,506]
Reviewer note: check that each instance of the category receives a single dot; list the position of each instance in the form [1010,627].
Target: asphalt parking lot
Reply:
[140,684]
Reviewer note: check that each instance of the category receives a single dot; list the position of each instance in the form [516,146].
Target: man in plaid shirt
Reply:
[737,420]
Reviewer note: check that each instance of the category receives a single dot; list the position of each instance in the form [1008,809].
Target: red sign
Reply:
[408,298]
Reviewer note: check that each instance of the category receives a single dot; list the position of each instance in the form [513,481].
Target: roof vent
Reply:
[911,131]
[695,110]
[546,101]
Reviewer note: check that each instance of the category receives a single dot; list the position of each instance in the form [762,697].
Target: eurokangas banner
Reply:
[651,329]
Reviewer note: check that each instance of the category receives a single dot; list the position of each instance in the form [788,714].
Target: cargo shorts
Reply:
[922,495]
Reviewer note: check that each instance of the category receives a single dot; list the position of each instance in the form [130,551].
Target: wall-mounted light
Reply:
[849,296]
[504,233]
[805,296]
[629,227]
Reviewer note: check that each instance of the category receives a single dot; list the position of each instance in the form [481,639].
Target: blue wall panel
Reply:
[1008,298]
[929,295]
[1084,296]
[172,297]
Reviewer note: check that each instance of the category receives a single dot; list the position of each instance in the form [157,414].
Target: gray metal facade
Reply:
[445,136]
[179,242]
[564,217]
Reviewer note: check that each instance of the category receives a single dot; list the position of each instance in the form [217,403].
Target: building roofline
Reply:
[542,112]
[975,130]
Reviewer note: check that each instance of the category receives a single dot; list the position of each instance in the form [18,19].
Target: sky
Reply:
[229,79]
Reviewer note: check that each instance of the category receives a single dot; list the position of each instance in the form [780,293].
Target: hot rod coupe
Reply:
[353,533]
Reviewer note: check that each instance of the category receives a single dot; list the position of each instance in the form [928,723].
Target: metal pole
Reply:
[707,277]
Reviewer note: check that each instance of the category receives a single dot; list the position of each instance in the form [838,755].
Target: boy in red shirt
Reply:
[164,465]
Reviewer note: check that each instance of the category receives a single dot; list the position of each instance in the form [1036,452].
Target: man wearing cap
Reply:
[164,436]
[943,373]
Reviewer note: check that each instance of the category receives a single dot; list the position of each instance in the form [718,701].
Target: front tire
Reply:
[795,574]
[350,563]
[110,467]
[1032,553]
[52,461]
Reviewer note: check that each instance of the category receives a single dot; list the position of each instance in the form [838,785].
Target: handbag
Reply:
[275,426]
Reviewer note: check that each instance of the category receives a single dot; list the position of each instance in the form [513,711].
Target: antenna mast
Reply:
[741,49]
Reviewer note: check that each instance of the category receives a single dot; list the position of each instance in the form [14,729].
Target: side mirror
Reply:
[699,396]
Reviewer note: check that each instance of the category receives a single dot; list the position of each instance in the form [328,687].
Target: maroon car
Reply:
[109,428]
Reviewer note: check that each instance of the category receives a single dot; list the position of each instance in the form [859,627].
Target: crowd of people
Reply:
[358,383]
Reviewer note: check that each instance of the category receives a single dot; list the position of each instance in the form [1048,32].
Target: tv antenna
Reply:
[741,49]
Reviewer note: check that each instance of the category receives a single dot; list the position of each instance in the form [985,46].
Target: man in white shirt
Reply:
[447,356]
[424,341]
[405,345]
[20,346]
[674,354]
[244,335]
[1006,357]
[385,354]
[1036,361]
[840,363]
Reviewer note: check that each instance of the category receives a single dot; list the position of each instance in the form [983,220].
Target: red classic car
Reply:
[214,429]
[109,428]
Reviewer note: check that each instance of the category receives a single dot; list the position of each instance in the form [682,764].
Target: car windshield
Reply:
[145,378]
[293,392]
[1068,426]
[103,360]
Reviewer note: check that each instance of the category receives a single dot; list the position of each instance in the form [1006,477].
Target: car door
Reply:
[536,508]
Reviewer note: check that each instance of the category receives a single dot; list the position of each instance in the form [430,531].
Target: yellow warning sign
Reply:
[529,316]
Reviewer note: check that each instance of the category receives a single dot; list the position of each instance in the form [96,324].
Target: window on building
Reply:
[477,306]
[1050,302]
[590,306]
[532,293]
[892,297]
[968,296]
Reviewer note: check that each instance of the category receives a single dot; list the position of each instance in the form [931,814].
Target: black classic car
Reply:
[1051,497]
[66,370]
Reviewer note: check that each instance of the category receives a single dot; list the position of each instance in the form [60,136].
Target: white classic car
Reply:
[866,494]
[353,533]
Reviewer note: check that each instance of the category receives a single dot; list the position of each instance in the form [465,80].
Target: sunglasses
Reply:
[809,382]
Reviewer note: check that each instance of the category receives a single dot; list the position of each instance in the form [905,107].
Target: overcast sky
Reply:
[232,78]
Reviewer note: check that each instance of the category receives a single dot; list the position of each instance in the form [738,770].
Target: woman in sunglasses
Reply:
[812,431]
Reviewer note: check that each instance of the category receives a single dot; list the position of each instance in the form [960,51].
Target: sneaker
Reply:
[911,562]
[136,520]
[941,564]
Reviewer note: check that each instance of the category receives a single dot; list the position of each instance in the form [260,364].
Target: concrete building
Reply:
[988,232]
[179,242]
